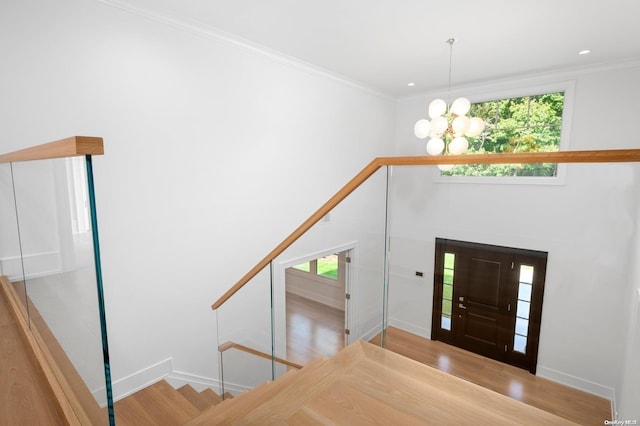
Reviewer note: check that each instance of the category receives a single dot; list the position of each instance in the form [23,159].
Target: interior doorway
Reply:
[488,300]
[317,306]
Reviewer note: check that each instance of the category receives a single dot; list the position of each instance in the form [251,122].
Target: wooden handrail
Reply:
[226,346]
[69,147]
[595,156]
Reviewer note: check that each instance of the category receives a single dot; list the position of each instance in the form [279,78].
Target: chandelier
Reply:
[449,124]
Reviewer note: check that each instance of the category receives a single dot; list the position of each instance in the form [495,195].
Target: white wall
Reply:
[586,225]
[206,142]
[44,237]
[628,392]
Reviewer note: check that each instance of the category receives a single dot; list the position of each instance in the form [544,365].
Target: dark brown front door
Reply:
[488,300]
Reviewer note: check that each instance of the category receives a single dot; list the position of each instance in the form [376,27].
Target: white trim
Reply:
[487,88]
[178,379]
[134,382]
[35,265]
[203,30]
[350,285]
[410,328]
[316,255]
[576,382]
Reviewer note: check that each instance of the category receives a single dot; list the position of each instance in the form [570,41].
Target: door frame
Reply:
[537,259]
[280,290]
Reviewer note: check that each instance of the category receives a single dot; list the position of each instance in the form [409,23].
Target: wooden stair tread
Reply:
[363,384]
[161,404]
[194,397]
[210,397]
[234,409]
[130,411]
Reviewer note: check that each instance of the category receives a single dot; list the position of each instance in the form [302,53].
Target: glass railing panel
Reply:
[54,218]
[244,327]
[10,250]
[331,281]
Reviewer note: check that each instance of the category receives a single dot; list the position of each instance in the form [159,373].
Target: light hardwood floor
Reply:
[313,330]
[308,320]
[513,382]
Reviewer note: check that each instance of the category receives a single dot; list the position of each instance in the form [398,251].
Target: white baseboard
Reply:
[576,382]
[35,265]
[162,370]
[200,383]
[134,382]
[371,333]
[410,328]
[178,379]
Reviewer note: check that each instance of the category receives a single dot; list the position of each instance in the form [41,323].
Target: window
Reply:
[447,290]
[518,124]
[523,308]
[325,266]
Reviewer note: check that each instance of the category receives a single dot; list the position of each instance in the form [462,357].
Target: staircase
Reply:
[161,404]
[362,384]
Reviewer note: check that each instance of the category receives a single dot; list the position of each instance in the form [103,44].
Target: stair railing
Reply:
[254,315]
[36,186]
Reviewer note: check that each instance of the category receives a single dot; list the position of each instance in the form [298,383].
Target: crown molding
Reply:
[200,29]
[537,78]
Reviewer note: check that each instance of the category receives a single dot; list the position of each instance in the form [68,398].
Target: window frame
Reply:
[313,275]
[568,87]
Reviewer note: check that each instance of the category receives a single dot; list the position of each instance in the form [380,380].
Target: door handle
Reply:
[461,306]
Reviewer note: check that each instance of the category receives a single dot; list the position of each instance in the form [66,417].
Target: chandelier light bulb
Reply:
[437,107]
[435,146]
[476,126]
[445,167]
[460,125]
[439,124]
[458,145]
[422,129]
[449,124]
[460,106]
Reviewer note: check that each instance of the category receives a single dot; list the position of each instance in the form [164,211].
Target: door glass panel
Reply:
[524,292]
[524,307]
[521,326]
[447,290]
[520,343]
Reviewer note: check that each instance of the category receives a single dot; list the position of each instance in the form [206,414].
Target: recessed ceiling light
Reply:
[411,84]
[584,52]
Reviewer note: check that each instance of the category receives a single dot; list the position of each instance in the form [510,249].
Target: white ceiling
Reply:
[385,44]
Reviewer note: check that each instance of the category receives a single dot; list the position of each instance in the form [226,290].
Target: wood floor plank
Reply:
[313,329]
[514,382]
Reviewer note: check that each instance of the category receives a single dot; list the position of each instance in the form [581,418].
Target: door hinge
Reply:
[347,331]
[347,296]
[347,259]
